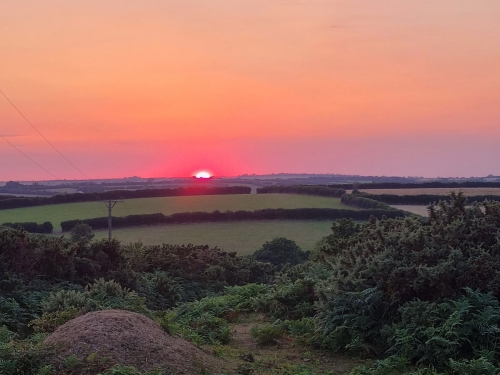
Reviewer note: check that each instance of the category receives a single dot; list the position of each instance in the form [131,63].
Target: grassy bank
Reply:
[244,237]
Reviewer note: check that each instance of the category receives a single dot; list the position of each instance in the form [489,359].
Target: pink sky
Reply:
[167,88]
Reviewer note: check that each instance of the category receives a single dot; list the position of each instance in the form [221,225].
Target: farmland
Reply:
[434,191]
[243,237]
[167,206]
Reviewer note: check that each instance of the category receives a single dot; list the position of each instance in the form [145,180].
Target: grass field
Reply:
[168,205]
[434,191]
[243,237]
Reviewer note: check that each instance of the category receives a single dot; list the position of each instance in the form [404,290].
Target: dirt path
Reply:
[245,353]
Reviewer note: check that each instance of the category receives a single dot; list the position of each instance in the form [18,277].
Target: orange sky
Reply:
[166,88]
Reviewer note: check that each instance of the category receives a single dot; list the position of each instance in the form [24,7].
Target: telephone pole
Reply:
[110,204]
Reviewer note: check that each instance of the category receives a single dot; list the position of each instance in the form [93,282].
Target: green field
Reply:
[243,237]
[167,206]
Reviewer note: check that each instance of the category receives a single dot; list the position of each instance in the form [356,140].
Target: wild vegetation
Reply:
[417,296]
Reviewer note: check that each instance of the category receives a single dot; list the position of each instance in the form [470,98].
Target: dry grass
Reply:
[434,191]
[131,339]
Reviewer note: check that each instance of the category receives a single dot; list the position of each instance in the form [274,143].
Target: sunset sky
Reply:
[171,87]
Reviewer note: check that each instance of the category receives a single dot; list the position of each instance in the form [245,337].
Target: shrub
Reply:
[32,227]
[354,321]
[280,251]
[64,305]
[22,357]
[303,331]
[433,333]
[268,334]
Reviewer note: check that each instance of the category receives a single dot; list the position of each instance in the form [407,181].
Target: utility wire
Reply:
[41,135]
[52,174]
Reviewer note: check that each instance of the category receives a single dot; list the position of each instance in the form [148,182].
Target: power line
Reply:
[110,203]
[41,135]
[52,174]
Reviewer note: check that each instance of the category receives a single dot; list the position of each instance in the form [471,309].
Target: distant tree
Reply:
[12,184]
[82,233]
[279,252]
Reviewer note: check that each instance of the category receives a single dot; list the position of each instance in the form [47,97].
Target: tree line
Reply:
[415,185]
[322,191]
[421,199]
[15,202]
[217,216]
[364,201]
[32,227]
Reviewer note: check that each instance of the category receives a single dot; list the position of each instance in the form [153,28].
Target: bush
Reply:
[354,321]
[268,334]
[32,227]
[433,333]
[287,299]
[81,233]
[23,357]
[280,251]
[64,305]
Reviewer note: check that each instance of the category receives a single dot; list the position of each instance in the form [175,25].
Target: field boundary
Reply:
[217,216]
[421,199]
[9,203]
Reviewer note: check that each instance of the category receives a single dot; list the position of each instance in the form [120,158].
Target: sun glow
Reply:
[203,174]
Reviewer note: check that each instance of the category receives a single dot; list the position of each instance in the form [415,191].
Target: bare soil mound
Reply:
[129,339]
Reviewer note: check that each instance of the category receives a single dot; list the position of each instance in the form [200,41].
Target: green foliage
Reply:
[287,299]
[410,259]
[207,321]
[31,267]
[479,366]
[130,370]
[280,251]
[431,334]
[426,291]
[49,321]
[64,305]
[268,334]
[81,233]
[11,313]
[304,331]
[160,291]
[32,227]
[360,201]
[353,321]
[22,357]
[392,366]
[200,269]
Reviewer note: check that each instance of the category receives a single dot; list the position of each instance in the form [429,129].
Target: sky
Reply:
[171,87]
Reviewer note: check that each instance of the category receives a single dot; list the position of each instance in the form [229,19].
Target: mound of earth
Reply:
[129,339]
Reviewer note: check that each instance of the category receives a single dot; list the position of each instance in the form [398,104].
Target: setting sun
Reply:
[203,174]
